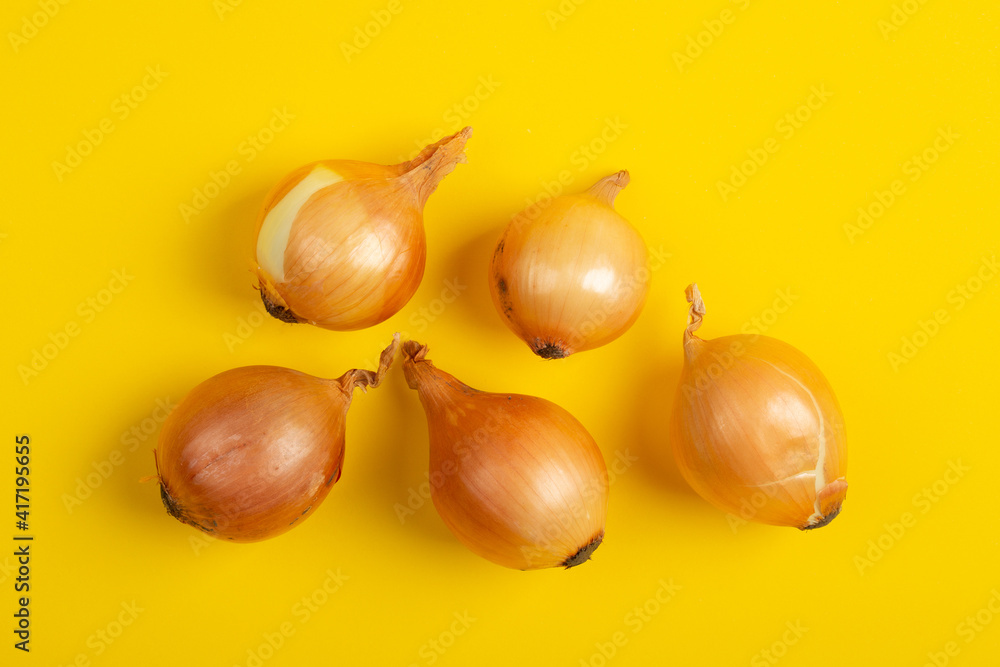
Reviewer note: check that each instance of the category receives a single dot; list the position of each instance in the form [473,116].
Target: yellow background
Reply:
[559,73]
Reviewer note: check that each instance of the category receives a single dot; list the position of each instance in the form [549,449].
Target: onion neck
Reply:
[433,163]
[608,187]
[692,343]
[417,370]
[359,377]
[433,384]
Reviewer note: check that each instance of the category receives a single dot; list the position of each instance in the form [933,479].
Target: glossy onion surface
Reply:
[340,243]
[756,429]
[516,478]
[573,275]
[252,451]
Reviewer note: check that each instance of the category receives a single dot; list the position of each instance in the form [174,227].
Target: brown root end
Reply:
[831,498]
[608,187]
[276,310]
[549,350]
[825,520]
[173,508]
[585,552]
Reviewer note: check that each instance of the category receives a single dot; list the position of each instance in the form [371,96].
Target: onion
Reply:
[250,452]
[340,243]
[516,478]
[572,277]
[756,429]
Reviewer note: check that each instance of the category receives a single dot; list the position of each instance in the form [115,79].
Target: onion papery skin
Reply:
[573,275]
[340,243]
[517,479]
[757,430]
[253,451]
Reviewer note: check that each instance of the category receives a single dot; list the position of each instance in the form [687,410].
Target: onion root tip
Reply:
[583,555]
[278,311]
[550,350]
[825,520]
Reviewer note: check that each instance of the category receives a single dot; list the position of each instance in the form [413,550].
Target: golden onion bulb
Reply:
[251,452]
[516,478]
[572,276]
[756,428]
[340,243]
